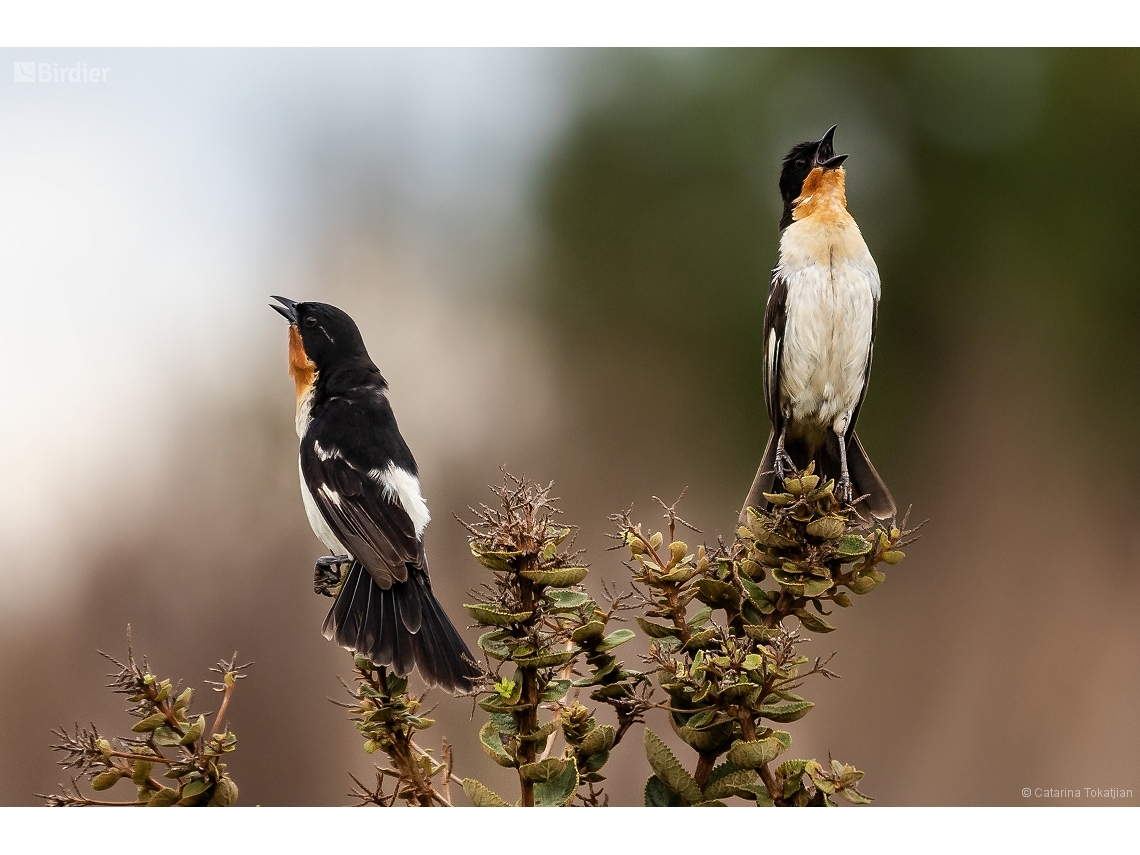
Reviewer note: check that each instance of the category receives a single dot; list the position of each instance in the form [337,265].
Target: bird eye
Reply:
[310,321]
[800,163]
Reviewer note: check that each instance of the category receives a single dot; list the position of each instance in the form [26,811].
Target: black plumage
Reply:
[361,488]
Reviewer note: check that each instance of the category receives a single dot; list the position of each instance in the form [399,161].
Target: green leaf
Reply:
[490,615]
[589,631]
[679,575]
[784,713]
[163,798]
[759,632]
[566,600]
[599,672]
[495,560]
[492,644]
[659,795]
[542,734]
[755,753]
[149,723]
[192,791]
[827,528]
[854,796]
[701,639]
[852,546]
[729,782]
[493,745]
[560,577]
[616,638]
[555,691]
[669,769]
[225,793]
[480,796]
[559,789]
[194,731]
[140,772]
[599,739]
[656,630]
[702,615]
[106,780]
[543,770]
[719,595]
[504,723]
[166,736]
[183,700]
[814,587]
[592,763]
[757,791]
[812,622]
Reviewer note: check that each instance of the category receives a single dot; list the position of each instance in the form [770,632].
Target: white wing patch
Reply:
[404,487]
[333,453]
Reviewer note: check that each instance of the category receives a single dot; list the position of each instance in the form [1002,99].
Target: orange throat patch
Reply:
[301,368]
[824,194]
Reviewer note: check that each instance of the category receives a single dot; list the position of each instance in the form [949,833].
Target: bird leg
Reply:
[784,462]
[843,489]
[327,575]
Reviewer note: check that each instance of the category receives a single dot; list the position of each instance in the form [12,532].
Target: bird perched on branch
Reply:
[361,491]
[819,334]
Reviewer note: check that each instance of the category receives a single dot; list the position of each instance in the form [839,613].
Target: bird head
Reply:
[799,163]
[319,334]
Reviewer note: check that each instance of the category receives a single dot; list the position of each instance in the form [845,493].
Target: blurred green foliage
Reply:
[997,190]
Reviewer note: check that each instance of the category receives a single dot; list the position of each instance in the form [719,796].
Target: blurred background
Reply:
[559,261]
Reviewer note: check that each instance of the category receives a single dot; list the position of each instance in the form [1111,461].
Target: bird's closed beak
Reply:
[288,308]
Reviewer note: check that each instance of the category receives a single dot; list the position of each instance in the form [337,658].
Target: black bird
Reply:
[361,490]
[819,335]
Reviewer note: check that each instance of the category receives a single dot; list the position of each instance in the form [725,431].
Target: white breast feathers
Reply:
[833,286]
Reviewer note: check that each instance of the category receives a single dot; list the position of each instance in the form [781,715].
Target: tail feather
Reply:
[403,628]
[865,481]
[762,483]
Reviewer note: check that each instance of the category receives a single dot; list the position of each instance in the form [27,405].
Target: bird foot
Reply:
[327,575]
[844,492]
[784,465]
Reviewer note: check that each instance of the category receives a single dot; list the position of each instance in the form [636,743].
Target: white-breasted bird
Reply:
[361,490]
[819,335]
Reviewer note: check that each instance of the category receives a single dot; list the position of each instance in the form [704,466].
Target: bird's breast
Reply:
[317,521]
[833,286]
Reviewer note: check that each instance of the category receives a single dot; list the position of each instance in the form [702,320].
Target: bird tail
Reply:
[763,482]
[403,628]
[865,481]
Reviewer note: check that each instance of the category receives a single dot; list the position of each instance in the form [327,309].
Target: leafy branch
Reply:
[171,743]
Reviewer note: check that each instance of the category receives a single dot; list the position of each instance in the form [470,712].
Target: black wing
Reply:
[866,371]
[342,453]
[775,317]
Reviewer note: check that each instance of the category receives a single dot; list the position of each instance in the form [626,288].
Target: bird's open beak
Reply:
[824,149]
[288,308]
[834,162]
